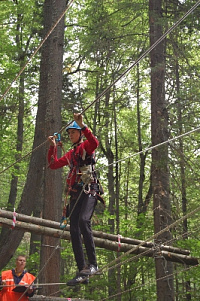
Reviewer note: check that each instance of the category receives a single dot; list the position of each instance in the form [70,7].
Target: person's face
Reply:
[20,263]
[74,135]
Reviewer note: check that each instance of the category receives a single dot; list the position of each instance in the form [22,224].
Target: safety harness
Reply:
[86,181]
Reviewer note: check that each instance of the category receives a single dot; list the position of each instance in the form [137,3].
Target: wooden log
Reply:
[100,242]
[99,234]
[41,298]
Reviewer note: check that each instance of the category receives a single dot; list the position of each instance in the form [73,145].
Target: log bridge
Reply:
[102,240]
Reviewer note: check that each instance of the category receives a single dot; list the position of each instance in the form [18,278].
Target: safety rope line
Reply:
[37,49]
[98,98]
[25,156]
[134,257]
[150,282]
[112,84]
[115,162]
[142,56]
[154,146]
[36,284]
[32,283]
[110,265]
[55,248]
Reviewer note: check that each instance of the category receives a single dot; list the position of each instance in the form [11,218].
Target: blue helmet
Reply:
[73,125]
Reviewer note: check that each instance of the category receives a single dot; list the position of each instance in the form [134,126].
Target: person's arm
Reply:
[91,143]
[54,162]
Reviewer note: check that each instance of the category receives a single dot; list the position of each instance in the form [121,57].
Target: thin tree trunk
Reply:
[117,200]
[160,173]
[12,239]
[183,180]
[111,188]
[51,94]
[20,128]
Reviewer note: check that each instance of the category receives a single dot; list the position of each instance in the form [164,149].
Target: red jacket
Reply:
[7,293]
[71,158]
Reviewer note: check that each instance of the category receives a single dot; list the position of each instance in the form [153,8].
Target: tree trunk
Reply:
[51,94]
[160,173]
[111,188]
[183,178]
[117,199]
[20,129]
[12,239]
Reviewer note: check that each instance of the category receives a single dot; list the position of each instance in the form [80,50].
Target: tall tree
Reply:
[159,130]
[50,96]
[48,121]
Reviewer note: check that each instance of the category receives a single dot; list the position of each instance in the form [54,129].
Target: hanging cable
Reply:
[150,282]
[111,265]
[37,49]
[112,84]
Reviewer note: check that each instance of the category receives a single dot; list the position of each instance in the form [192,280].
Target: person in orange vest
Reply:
[16,281]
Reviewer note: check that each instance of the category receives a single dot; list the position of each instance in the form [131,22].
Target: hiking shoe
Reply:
[88,271]
[78,279]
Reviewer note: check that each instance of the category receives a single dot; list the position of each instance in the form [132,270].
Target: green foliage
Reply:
[102,39]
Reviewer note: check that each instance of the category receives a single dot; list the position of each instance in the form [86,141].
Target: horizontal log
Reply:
[99,234]
[41,298]
[99,242]
[30,219]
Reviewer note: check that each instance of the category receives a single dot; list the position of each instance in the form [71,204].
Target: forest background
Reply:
[146,189]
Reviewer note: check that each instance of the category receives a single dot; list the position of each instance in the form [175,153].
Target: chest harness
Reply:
[82,167]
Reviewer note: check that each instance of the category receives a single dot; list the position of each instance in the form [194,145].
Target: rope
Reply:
[142,243]
[154,146]
[141,57]
[37,147]
[39,272]
[132,258]
[98,98]
[37,49]
[38,284]
[55,248]
[150,282]
[112,84]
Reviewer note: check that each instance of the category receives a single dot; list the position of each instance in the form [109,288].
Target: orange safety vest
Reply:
[7,293]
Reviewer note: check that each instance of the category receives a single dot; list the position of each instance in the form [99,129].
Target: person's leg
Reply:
[87,209]
[76,234]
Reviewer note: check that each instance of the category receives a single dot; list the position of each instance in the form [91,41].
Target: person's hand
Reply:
[3,282]
[79,119]
[30,290]
[52,140]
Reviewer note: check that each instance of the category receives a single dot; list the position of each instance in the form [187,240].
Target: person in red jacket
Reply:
[11,279]
[82,187]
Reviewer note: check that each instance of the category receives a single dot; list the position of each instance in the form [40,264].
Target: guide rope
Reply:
[111,265]
[98,98]
[114,82]
[150,282]
[37,49]
[57,247]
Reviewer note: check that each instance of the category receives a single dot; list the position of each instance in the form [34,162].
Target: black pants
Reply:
[80,223]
